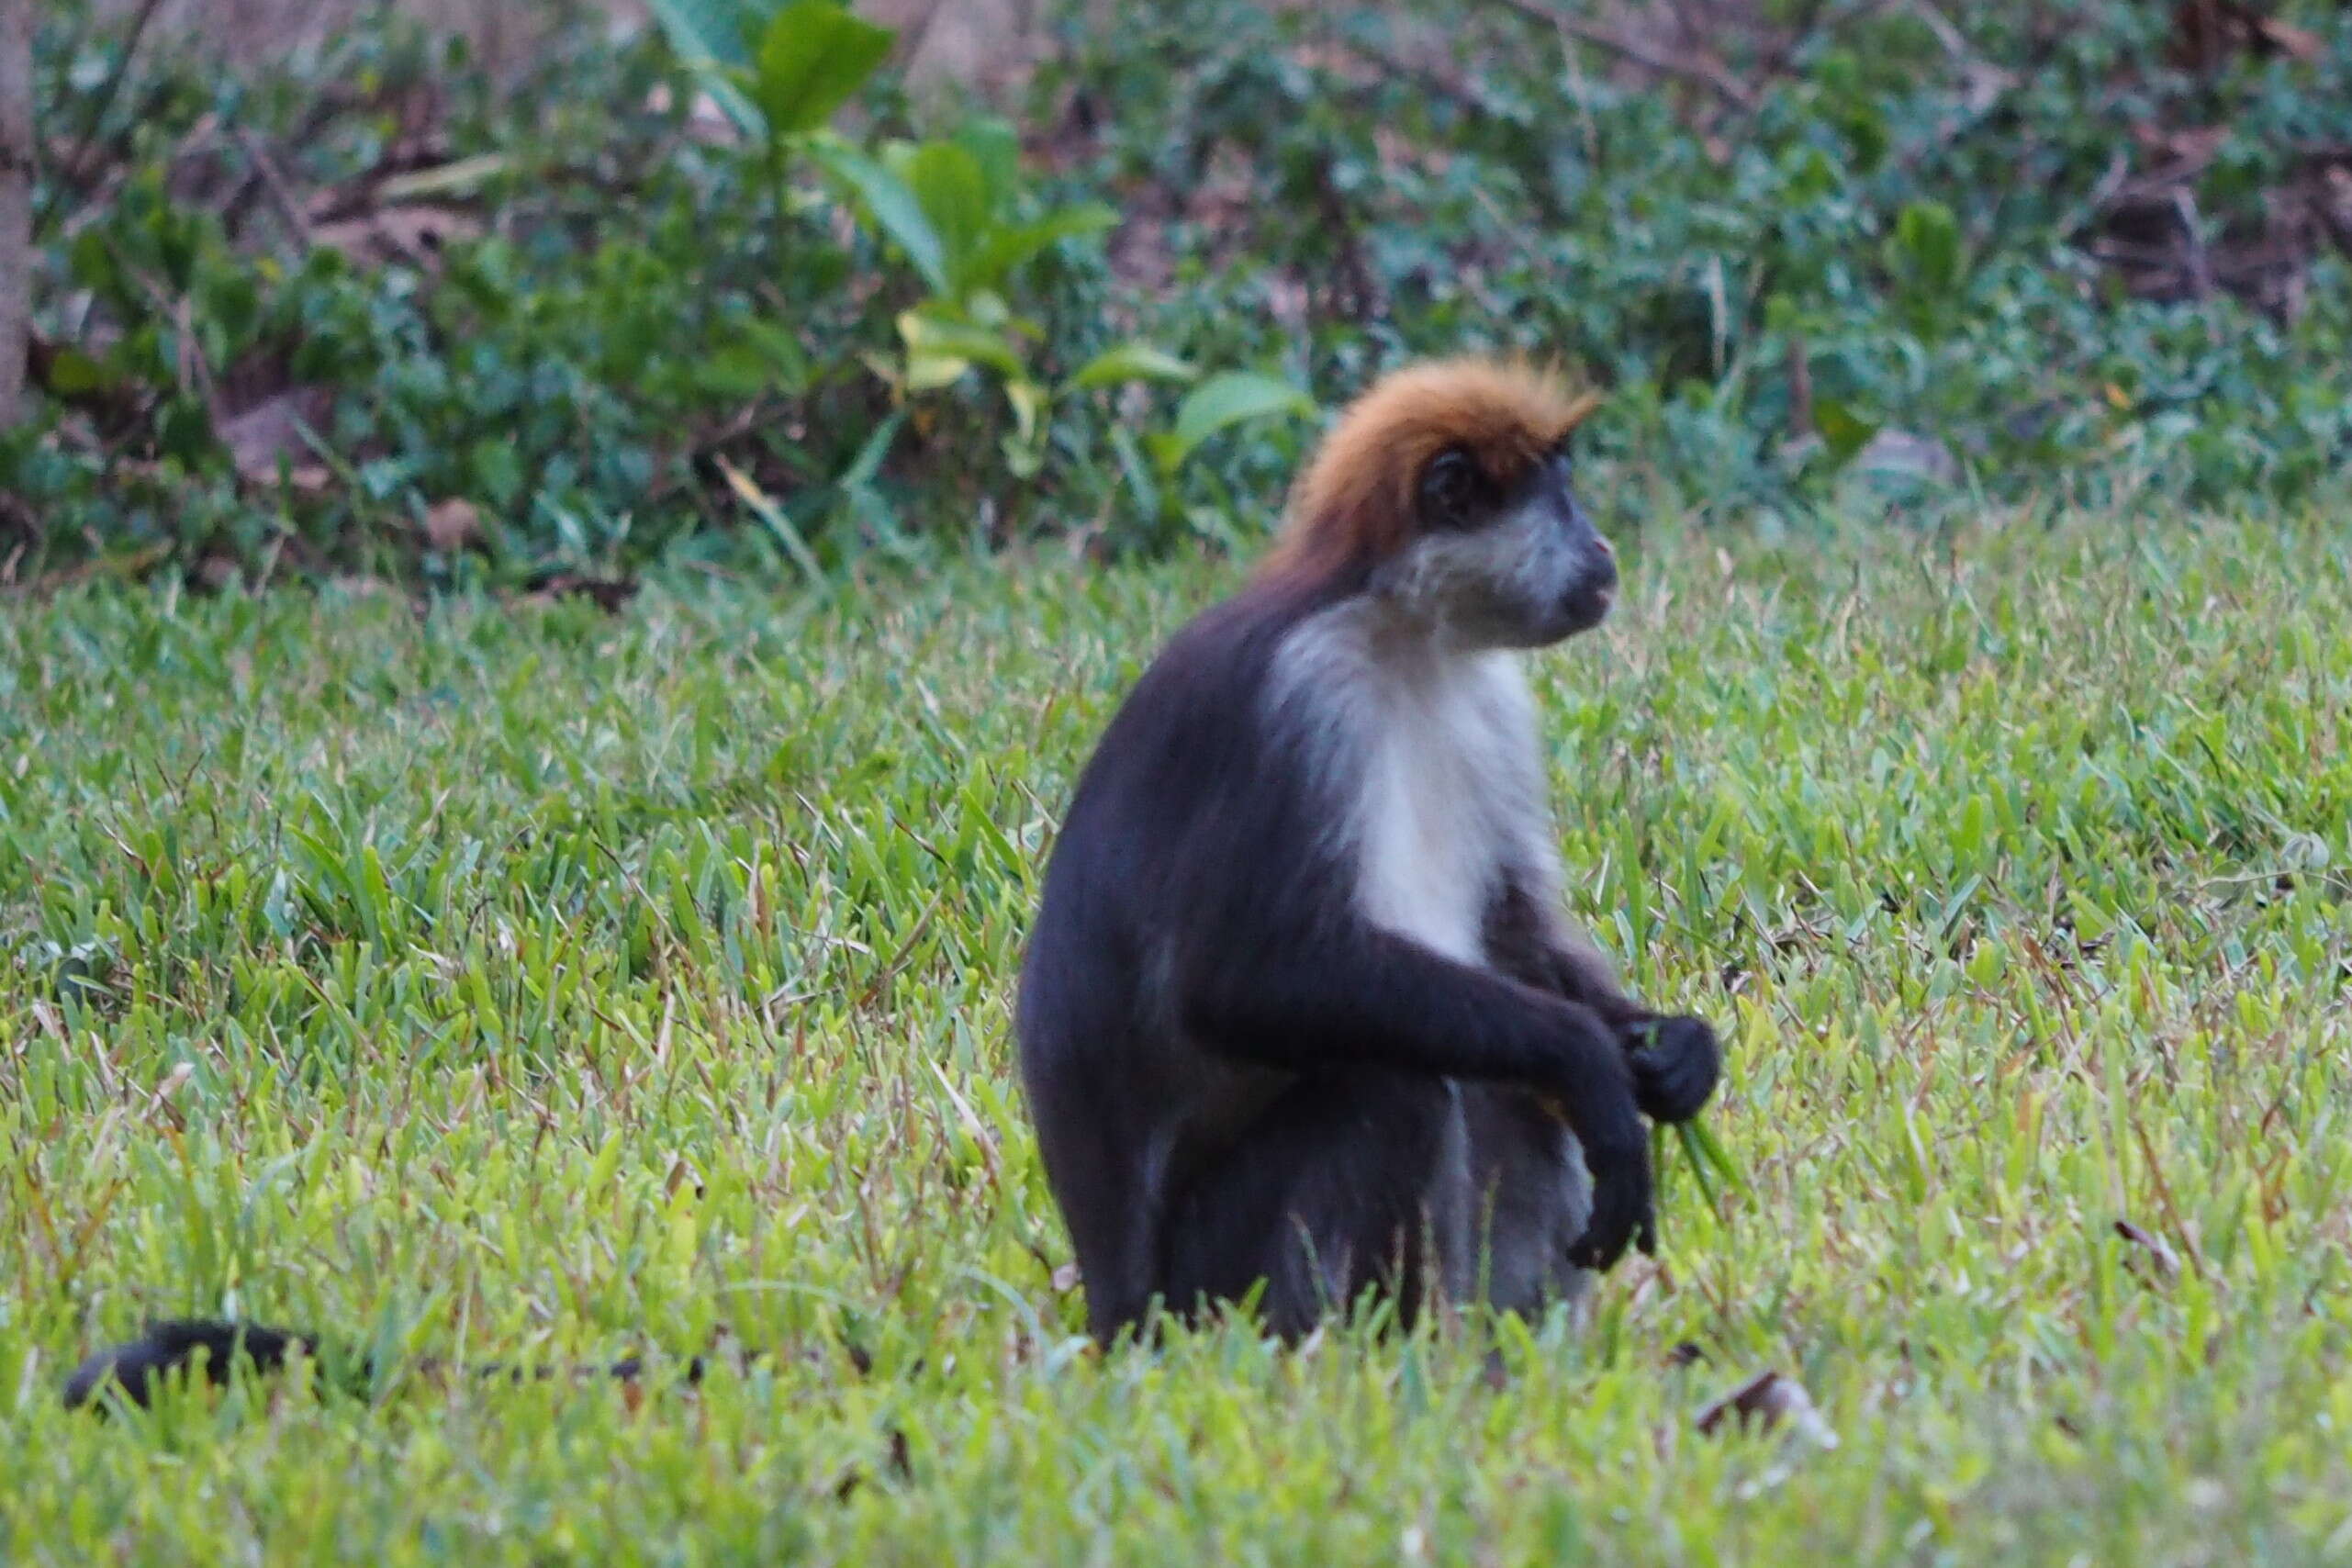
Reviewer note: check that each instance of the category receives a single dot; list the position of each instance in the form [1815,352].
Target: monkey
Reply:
[1300,1021]
[1300,1015]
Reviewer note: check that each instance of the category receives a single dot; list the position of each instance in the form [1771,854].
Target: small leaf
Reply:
[930,372]
[1007,249]
[1028,400]
[72,374]
[933,337]
[733,370]
[812,57]
[1842,432]
[1927,245]
[1131,362]
[1229,397]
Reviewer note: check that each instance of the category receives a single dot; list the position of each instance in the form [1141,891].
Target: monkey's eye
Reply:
[1451,488]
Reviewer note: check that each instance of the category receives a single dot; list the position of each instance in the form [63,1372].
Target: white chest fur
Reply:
[1435,755]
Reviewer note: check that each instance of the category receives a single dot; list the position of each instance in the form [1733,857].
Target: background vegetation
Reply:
[382,307]
[538,981]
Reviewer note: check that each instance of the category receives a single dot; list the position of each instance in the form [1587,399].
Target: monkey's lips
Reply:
[1587,606]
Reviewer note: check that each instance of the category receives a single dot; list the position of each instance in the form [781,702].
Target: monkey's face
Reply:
[1502,566]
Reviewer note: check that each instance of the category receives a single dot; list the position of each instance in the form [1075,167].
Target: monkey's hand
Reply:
[1617,1154]
[1675,1064]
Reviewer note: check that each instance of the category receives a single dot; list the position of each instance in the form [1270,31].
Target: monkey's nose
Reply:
[1601,540]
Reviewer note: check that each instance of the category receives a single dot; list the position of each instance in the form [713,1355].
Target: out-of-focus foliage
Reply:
[718,293]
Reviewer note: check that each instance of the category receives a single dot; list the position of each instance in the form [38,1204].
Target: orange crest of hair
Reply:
[1356,500]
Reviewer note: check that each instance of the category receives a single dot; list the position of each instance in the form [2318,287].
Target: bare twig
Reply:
[1703,68]
[1800,388]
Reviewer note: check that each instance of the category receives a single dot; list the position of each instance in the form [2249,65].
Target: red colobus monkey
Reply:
[1300,1008]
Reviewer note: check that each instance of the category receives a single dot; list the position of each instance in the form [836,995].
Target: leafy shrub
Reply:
[719,294]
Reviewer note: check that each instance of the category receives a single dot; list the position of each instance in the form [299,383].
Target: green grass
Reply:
[531,981]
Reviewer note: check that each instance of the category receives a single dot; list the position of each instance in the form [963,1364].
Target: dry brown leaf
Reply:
[260,435]
[609,594]
[414,234]
[681,1173]
[2294,42]
[453,524]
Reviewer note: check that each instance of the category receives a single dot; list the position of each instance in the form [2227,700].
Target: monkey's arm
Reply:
[1338,999]
[1675,1060]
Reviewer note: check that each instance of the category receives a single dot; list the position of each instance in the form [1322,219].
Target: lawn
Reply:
[498,980]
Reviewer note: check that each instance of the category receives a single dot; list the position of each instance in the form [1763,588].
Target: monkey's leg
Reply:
[1534,1199]
[1341,1183]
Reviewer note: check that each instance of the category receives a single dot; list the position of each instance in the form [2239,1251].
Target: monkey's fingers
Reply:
[1620,1214]
[1675,1071]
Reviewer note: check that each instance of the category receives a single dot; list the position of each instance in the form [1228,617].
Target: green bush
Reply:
[561,326]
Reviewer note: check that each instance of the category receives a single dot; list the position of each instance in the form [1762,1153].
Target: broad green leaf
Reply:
[995,146]
[1225,400]
[811,58]
[948,183]
[891,205]
[1007,249]
[1131,362]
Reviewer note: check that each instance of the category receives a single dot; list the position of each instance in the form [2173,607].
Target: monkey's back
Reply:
[1169,831]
